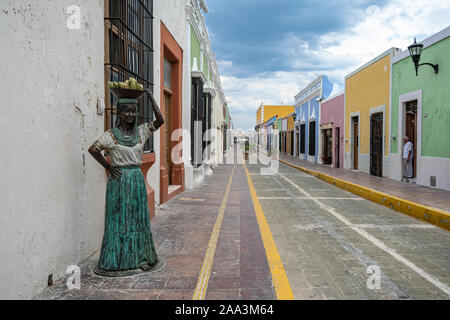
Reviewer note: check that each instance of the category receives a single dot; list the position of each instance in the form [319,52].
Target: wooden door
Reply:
[337,163]
[327,146]
[355,143]
[168,132]
[302,138]
[411,130]
[312,139]
[376,144]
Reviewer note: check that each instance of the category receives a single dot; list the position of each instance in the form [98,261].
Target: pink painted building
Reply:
[332,145]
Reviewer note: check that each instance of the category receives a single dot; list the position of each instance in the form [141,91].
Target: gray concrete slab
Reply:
[327,245]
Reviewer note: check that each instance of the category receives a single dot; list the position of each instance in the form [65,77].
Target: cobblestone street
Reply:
[218,243]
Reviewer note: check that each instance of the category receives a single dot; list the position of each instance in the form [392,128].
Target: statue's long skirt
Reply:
[127,241]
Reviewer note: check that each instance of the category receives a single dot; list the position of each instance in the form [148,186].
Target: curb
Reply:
[431,215]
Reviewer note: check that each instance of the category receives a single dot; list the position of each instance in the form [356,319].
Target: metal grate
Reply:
[312,138]
[197,114]
[130,54]
[302,138]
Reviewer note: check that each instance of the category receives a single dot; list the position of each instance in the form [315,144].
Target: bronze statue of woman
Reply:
[127,246]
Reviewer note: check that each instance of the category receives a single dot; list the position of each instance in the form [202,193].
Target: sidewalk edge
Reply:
[431,215]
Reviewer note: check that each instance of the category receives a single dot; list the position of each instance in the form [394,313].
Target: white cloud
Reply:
[336,55]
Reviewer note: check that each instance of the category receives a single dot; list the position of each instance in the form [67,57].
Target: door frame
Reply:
[316,143]
[352,138]
[403,99]
[378,109]
[172,51]
[337,147]
[168,164]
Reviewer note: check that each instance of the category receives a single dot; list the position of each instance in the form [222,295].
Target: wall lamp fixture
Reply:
[415,50]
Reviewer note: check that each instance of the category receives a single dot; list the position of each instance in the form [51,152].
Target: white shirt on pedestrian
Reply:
[408,147]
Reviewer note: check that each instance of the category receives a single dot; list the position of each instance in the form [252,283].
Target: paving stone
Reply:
[323,257]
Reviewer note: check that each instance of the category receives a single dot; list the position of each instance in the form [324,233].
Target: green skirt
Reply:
[127,241]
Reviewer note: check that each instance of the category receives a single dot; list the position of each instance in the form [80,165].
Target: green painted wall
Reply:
[195,48]
[435,98]
[279,124]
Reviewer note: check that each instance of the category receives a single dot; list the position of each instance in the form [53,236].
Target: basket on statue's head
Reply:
[129,89]
[127,93]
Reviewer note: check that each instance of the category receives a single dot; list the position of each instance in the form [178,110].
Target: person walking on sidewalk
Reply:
[408,153]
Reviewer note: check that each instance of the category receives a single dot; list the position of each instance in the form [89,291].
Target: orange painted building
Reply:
[171,174]
[265,113]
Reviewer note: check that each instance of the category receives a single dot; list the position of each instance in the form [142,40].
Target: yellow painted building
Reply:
[367,112]
[265,113]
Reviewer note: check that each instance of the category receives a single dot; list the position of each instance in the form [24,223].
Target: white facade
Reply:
[172,13]
[212,85]
[52,191]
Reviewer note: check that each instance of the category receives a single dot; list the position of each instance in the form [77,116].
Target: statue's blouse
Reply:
[123,156]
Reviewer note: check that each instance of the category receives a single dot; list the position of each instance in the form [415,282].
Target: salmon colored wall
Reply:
[173,52]
[364,90]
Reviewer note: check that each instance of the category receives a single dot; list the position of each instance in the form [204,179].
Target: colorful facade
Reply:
[265,113]
[279,126]
[307,108]
[367,110]
[290,134]
[332,131]
[420,110]
[284,126]
[207,105]
[270,133]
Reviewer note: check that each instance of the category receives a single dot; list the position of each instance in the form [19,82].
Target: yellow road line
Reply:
[431,215]
[205,273]
[280,280]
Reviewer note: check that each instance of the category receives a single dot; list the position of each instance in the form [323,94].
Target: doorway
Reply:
[292,143]
[376,144]
[302,138]
[288,146]
[411,130]
[312,138]
[337,163]
[279,142]
[327,152]
[297,149]
[355,142]
[168,133]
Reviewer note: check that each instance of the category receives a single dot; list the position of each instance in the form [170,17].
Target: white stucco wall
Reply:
[173,14]
[217,120]
[52,192]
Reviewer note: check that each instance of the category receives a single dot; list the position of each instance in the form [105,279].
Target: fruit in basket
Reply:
[123,85]
[133,84]
[128,84]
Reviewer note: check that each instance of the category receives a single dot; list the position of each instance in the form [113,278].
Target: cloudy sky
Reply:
[267,51]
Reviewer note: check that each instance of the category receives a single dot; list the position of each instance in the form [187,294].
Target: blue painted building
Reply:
[307,109]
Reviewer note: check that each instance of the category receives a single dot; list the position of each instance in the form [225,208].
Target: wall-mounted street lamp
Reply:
[415,50]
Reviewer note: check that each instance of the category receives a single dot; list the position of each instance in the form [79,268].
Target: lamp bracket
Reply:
[434,66]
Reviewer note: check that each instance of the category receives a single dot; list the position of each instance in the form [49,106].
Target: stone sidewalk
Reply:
[182,230]
[435,198]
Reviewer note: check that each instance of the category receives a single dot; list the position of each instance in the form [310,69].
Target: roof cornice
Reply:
[441,35]
[392,52]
